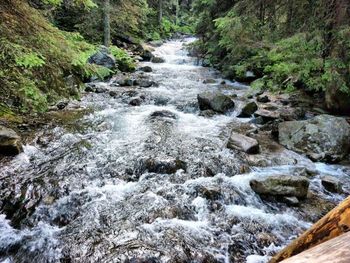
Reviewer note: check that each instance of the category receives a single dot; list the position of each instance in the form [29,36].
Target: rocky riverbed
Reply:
[171,163]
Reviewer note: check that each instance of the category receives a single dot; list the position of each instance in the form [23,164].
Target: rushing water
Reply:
[94,201]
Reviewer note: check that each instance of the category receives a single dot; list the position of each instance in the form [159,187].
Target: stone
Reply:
[103,58]
[163,114]
[10,142]
[337,101]
[145,83]
[207,113]
[267,115]
[61,105]
[209,81]
[281,185]
[135,102]
[147,55]
[323,138]
[248,110]
[262,99]
[126,82]
[162,166]
[157,60]
[331,184]
[146,69]
[215,101]
[290,200]
[243,143]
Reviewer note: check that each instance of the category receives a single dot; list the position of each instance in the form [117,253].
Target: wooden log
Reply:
[335,223]
[336,250]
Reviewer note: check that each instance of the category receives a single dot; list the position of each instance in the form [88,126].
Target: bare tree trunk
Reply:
[177,12]
[335,223]
[106,23]
[160,12]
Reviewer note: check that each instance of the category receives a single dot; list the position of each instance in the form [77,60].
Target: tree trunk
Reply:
[335,250]
[160,12]
[106,23]
[335,223]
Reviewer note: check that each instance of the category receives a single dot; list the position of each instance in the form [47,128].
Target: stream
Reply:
[151,183]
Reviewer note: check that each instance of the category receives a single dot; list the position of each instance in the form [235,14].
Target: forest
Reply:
[174,131]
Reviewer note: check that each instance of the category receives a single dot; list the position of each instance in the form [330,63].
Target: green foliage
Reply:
[30,60]
[124,61]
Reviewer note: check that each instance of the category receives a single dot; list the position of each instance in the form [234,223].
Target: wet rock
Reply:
[209,193]
[290,200]
[90,87]
[323,138]
[157,60]
[209,81]
[147,55]
[262,99]
[135,102]
[243,143]
[113,94]
[162,166]
[215,101]
[281,185]
[126,82]
[145,83]
[10,142]
[61,105]
[207,113]
[267,115]
[146,69]
[100,90]
[163,114]
[143,260]
[331,184]
[103,58]
[248,109]
[258,120]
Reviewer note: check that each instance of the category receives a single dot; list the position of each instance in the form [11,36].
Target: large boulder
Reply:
[215,101]
[103,58]
[10,142]
[243,143]
[323,138]
[157,60]
[281,185]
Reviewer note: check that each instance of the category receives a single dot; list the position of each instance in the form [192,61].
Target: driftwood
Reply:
[335,250]
[335,223]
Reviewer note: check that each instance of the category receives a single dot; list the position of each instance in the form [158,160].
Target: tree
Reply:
[106,24]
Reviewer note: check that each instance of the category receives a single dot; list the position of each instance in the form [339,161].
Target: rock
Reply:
[263,99]
[163,114]
[209,81]
[90,87]
[290,200]
[323,138]
[281,185]
[248,77]
[145,83]
[103,58]
[10,142]
[267,115]
[126,82]
[113,93]
[73,85]
[337,101]
[243,143]
[135,102]
[61,105]
[147,55]
[100,90]
[162,166]
[215,101]
[146,69]
[331,184]
[207,113]
[258,120]
[248,109]
[157,60]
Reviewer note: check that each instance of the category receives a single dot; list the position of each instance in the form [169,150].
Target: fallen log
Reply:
[335,250]
[335,223]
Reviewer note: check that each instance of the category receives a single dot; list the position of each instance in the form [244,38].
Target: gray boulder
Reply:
[103,58]
[146,69]
[248,109]
[331,184]
[215,101]
[323,138]
[281,185]
[243,143]
[162,166]
[10,142]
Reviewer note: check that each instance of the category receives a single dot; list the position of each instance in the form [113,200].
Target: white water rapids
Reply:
[93,202]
